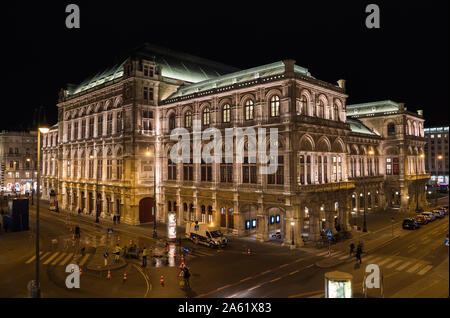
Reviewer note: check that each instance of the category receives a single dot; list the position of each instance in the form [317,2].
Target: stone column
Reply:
[263,231]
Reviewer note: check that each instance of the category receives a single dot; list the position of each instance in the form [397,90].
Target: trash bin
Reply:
[338,285]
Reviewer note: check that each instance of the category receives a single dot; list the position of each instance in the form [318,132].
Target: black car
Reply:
[410,224]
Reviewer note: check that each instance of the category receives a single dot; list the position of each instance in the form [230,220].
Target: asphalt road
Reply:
[411,264]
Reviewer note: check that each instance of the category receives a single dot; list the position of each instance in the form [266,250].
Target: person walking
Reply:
[186,276]
[352,248]
[358,253]
[144,257]
[114,219]
[77,232]
[79,211]
[117,250]
[118,218]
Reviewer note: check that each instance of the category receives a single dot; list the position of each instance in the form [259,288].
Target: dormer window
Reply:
[148,71]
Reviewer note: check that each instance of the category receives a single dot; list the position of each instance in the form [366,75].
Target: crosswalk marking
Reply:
[64,261]
[336,254]
[51,258]
[33,258]
[58,258]
[84,259]
[373,259]
[344,257]
[402,267]
[45,255]
[394,263]
[384,262]
[322,254]
[425,270]
[414,268]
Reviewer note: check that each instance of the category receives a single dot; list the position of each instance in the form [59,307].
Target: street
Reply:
[413,263]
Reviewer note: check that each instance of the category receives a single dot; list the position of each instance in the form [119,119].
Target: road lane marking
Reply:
[51,258]
[44,256]
[145,277]
[33,258]
[394,263]
[294,272]
[414,268]
[275,279]
[322,254]
[85,258]
[372,259]
[384,262]
[402,267]
[58,258]
[425,270]
[344,257]
[64,261]
[245,279]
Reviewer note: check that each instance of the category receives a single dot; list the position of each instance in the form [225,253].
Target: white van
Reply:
[203,233]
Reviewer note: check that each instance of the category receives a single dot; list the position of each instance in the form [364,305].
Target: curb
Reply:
[89,269]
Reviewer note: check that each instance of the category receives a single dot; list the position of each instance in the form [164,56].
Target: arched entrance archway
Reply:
[146,210]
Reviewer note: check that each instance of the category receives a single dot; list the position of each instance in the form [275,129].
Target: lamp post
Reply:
[149,154]
[437,178]
[42,130]
[32,188]
[417,184]
[292,231]
[365,198]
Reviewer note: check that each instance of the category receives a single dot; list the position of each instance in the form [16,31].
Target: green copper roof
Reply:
[358,127]
[237,77]
[173,65]
[372,108]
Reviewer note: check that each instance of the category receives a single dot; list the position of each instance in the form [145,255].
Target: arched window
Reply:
[336,112]
[203,215]
[170,206]
[188,119]
[206,116]
[226,113]
[249,110]
[172,121]
[275,106]
[391,129]
[303,106]
[320,109]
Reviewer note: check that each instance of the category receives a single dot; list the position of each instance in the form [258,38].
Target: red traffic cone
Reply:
[73,237]
[124,277]
[248,252]
[131,242]
[118,239]
[161,281]
[73,269]
[81,272]
[109,275]
[73,243]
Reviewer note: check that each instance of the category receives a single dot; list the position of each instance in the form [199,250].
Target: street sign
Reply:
[196,227]
[329,232]
[106,255]
[330,238]
[186,250]
[446,242]
[110,230]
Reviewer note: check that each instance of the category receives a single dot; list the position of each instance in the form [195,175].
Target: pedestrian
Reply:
[144,257]
[5,225]
[186,276]
[352,248]
[77,232]
[360,246]
[118,218]
[117,253]
[125,252]
[79,211]
[114,219]
[358,254]
[82,251]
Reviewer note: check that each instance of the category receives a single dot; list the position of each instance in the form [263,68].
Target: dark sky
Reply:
[406,60]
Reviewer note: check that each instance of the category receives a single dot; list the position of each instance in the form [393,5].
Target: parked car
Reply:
[445,208]
[438,213]
[410,224]
[430,215]
[421,220]
[277,235]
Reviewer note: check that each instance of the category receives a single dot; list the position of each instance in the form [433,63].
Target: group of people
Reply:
[359,251]
[116,217]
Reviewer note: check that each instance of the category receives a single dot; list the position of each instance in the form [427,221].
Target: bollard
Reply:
[124,277]
[161,281]
[248,252]
[109,275]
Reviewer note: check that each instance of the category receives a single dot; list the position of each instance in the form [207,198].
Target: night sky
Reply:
[406,60]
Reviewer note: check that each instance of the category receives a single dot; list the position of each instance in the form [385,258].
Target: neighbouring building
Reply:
[333,158]
[436,152]
[18,153]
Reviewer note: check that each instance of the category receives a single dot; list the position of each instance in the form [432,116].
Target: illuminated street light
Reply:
[292,231]
[149,154]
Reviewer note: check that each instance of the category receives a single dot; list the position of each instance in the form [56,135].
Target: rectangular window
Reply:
[83,129]
[188,171]
[100,126]
[119,169]
[171,170]
[206,172]
[388,166]
[119,123]
[99,168]
[395,166]
[91,127]
[109,119]
[75,130]
[109,169]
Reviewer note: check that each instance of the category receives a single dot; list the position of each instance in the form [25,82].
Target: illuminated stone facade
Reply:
[116,120]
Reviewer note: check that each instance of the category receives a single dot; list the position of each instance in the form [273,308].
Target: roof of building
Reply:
[384,106]
[237,77]
[430,130]
[358,127]
[173,65]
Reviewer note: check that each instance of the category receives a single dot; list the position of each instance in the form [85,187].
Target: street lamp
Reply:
[365,198]
[149,154]
[437,178]
[42,130]
[292,231]
[417,184]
